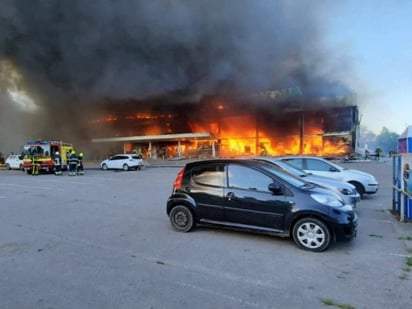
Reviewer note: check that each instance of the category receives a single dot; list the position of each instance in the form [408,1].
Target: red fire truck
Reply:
[38,155]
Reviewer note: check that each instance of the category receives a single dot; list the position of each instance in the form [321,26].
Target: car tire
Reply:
[125,167]
[359,188]
[21,167]
[8,166]
[311,234]
[104,167]
[181,218]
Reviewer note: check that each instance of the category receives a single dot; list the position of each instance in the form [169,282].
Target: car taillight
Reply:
[178,181]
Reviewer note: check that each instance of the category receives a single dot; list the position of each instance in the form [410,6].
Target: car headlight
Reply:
[326,200]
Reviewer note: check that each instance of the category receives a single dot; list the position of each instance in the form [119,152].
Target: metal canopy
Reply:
[152,138]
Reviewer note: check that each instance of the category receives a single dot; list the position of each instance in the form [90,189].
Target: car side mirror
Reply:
[275,188]
[333,169]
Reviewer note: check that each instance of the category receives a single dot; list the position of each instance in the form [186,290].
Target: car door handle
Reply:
[230,195]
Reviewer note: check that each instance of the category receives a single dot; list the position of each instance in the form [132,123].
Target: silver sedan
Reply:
[346,190]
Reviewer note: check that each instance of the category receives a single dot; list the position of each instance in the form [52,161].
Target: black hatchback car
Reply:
[251,195]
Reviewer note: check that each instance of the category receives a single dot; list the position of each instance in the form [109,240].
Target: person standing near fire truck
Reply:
[80,170]
[36,153]
[36,165]
[57,159]
[73,162]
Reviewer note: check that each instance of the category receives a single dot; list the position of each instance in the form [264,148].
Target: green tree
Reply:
[387,140]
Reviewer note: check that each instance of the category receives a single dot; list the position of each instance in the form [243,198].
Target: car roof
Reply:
[300,157]
[229,160]
[265,167]
[249,162]
[306,157]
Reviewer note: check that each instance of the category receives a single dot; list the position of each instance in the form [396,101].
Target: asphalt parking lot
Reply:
[103,240]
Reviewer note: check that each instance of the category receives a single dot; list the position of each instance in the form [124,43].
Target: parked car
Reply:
[346,190]
[364,183]
[14,162]
[257,196]
[123,162]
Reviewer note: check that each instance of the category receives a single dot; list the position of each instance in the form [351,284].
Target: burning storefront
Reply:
[228,126]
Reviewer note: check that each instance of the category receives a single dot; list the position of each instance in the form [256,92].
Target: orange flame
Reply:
[240,136]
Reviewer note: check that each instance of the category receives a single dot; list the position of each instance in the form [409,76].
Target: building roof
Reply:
[152,138]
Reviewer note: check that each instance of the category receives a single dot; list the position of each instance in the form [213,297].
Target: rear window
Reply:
[297,162]
[120,158]
[209,175]
[317,165]
[15,157]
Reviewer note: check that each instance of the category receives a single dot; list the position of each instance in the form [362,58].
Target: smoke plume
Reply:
[71,53]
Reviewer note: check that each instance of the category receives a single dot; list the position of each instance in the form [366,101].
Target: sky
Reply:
[376,36]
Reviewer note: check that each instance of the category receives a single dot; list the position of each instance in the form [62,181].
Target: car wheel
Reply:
[21,167]
[125,167]
[104,167]
[181,219]
[8,166]
[359,188]
[311,234]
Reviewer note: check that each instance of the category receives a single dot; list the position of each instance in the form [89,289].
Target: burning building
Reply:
[172,77]
[269,123]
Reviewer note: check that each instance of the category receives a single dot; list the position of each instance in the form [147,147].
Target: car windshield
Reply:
[286,167]
[292,169]
[338,167]
[36,150]
[284,175]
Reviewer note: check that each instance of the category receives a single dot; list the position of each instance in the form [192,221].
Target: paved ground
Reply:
[103,240]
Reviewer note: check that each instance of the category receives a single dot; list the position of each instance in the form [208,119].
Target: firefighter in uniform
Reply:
[80,170]
[73,162]
[35,153]
[35,165]
[57,159]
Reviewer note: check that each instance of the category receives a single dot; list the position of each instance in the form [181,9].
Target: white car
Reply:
[122,162]
[364,183]
[14,162]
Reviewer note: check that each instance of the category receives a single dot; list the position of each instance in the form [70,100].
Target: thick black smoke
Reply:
[72,52]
